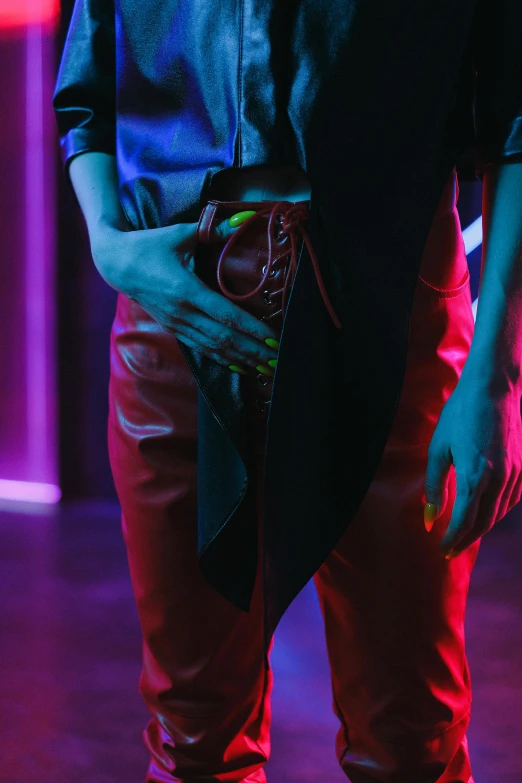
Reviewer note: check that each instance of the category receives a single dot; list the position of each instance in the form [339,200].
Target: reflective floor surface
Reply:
[70,651]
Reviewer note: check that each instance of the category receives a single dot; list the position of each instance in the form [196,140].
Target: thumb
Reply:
[224,230]
[435,494]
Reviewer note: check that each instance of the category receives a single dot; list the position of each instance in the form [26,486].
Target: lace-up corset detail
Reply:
[285,224]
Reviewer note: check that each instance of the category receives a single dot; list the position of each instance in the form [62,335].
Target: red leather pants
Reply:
[393,607]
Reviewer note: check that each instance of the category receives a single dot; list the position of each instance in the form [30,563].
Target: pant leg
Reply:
[203,677]
[393,607]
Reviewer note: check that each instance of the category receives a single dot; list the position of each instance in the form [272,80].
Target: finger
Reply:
[468,540]
[464,514]
[511,494]
[516,494]
[440,509]
[491,501]
[228,343]
[222,231]
[487,514]
[487,511]
[205,345]
[197,346]
[220,309]
[436,478]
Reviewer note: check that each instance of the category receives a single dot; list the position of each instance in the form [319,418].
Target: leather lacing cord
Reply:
[293,217]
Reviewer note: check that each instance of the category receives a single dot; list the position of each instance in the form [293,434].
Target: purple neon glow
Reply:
[39,263]
[29,450]
[29,491]
[34,262]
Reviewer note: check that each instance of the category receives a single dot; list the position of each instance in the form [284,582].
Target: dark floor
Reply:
[70,658]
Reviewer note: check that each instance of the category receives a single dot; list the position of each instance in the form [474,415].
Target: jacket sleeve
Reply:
[84,98]
[498,82]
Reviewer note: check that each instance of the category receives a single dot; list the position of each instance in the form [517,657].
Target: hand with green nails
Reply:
[156,268]
[234,221]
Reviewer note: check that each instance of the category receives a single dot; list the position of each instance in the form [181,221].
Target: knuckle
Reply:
[223,316]
[226,342]
[180,303]
[228,318]
[179,293]
[470,478]
[219,343]
[466,488]
[467,485]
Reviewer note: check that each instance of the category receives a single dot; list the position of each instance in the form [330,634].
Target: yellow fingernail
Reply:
[430,512]
[272,362]
[235,368]
[240,217]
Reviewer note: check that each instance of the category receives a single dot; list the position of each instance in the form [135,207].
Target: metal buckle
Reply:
[273,273]
[262,379]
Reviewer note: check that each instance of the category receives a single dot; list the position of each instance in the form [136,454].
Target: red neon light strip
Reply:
[16,13]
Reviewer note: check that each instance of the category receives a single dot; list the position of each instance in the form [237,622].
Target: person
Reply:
[366,114]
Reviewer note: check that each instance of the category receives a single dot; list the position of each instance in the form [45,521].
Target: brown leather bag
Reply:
[256,266]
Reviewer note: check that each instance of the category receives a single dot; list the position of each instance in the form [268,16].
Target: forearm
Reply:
[495,357]
[94,178]
[95,181]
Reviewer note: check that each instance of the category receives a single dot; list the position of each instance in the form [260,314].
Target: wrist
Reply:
[109,258]
[104,224]
[486,371]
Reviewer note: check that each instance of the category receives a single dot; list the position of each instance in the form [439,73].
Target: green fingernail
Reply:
[271,343]
[264,370]
[272,362]
[235,368]
[240,217]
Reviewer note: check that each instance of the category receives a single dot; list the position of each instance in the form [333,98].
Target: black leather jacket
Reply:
[376,101]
